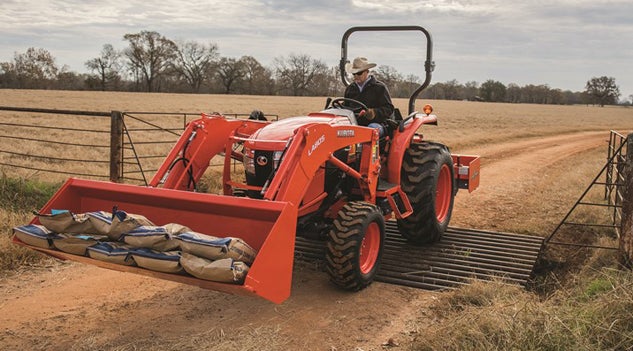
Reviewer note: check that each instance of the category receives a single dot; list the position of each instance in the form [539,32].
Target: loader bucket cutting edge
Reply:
[267,226]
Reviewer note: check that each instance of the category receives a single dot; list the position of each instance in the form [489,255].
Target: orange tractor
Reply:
[319,175]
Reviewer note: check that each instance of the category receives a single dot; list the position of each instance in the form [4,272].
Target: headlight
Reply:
[249,162]
[277,158]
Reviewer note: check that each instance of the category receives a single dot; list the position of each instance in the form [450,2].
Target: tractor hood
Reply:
[286,128]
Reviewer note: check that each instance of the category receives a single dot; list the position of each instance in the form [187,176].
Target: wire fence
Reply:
[52,144]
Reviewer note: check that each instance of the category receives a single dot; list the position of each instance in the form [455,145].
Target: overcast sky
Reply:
[560,43]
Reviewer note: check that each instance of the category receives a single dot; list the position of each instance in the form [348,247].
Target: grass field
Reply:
[462,125]
[581,301]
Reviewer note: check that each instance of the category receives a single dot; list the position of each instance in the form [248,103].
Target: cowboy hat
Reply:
[359,64]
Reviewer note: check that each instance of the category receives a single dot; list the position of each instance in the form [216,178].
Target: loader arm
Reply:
[203,139]
[311,147]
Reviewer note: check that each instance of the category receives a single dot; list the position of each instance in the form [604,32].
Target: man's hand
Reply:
[370,114]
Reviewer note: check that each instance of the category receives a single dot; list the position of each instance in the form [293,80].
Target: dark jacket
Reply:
[375,95]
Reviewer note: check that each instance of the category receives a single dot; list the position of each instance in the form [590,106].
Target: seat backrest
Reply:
[396,115]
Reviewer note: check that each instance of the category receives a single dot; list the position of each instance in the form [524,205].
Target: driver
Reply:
[373,93]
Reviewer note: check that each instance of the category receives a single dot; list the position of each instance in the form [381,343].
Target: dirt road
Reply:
[80,307]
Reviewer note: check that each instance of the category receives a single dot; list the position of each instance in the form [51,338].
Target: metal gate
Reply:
[611,177]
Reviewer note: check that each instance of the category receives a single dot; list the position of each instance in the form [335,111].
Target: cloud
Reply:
[562,43]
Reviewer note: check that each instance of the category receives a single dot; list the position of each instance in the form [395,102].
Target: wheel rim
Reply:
[443,193]
[370,246]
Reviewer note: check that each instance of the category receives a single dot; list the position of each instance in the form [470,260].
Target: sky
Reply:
[560,43]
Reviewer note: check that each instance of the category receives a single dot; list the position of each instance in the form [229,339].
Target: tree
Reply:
[407,86]
[513,93]
[229,71]
[34,69]
[69,80]
[602,90]
[107,67]
[471,91]
[257,79]
[150,55]
[493,91]
[297,74]
[388,75]
[194,63]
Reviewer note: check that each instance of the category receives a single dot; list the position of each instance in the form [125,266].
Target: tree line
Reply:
[152,62]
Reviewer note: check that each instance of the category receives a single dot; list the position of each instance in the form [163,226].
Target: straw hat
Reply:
[358,65]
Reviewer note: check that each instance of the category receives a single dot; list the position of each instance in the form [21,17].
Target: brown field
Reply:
[536,161]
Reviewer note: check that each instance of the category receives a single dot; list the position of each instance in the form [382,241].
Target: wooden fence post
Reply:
[116,146]
[626,227]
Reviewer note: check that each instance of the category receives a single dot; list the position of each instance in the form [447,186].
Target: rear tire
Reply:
[355,245]
[427,179]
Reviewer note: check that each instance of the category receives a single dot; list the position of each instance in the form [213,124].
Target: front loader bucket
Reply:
[267,226]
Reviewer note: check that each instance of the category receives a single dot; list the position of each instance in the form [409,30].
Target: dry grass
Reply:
[18,198]
[588,309]
[594,312]
[462,124]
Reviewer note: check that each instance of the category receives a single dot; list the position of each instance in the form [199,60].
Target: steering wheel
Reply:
[356,107]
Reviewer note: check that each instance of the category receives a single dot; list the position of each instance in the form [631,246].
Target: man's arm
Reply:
[384,107]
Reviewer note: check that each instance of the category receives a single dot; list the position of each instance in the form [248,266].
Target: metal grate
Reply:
[461,256]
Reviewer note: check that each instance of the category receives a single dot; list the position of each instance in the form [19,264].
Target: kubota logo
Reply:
[262,160]
[316,145]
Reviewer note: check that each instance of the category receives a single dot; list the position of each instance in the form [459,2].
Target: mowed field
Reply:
[536,161]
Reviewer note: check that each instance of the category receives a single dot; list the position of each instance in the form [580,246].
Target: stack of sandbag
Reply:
[212,258]
[133,240]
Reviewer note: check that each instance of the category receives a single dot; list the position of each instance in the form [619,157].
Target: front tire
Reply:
[427,179]
[355,245]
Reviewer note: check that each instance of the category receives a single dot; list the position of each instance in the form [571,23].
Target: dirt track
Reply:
[84,307]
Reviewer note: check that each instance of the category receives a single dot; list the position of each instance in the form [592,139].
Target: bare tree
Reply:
[150,55]
[513,93]
[298,74]
[107,67]
[229,71]
[34,69]
[257,78]
[603,90]
[407,86]
[471,90]
[194,61]
[451,89]
[388,75]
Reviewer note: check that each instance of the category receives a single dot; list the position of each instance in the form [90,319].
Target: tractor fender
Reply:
[400,143]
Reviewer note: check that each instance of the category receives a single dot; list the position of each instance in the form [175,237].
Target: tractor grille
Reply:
[461,256]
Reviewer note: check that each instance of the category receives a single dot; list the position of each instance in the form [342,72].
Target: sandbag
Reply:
[225,270]
[111,252]
[101,221]
[63,221]
[175,228]
[35,235]
[151,237]
[123,222]
[215,248]
[77,244]
[167,262]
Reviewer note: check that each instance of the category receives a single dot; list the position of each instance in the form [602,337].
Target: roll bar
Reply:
[429,65]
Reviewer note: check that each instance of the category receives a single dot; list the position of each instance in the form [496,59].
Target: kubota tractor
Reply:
[320,175]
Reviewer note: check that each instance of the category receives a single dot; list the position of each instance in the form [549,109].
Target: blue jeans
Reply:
[380,127]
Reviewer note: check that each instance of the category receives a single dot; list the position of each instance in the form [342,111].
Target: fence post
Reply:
[626,227]
[116,146]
